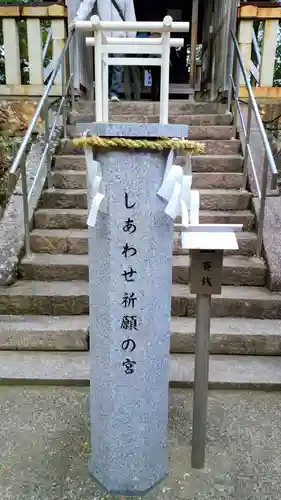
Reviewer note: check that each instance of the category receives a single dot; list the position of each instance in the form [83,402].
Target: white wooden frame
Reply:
[263,73]
[112,45]
[35,88]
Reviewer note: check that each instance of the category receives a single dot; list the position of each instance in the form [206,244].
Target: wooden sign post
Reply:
[206,243]
[206,279]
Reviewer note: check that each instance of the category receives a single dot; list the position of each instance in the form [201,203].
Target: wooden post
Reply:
[34,45]
[58,30]
[245,36]
[269,52]
[271,14]
[207,46]
[10,15]
[194,31]
[12,52]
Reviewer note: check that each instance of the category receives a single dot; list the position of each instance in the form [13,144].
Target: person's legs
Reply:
[109,77]
[115,81]
[155,87]
[127,83]
[136,78]
[158,84]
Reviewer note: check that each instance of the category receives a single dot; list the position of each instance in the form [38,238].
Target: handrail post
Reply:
[91,92]
[64,109]
[165,71]
[194,34]
[247,145]
[47,132]
[98,71]
[73,69]
[262,207]
[229,95]
[94,72]
[231,72]
[273,182]
[25,205]
[237,81]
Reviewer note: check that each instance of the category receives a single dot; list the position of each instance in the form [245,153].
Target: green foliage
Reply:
[277,68]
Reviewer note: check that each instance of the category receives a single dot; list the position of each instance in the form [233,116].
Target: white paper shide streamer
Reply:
[95,187]
[176,190]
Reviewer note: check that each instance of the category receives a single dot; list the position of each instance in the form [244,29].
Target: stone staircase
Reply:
[46,308]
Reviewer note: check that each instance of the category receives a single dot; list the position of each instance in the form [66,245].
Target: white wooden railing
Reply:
[245,126]
[122,48]
[32,20]
[261,70]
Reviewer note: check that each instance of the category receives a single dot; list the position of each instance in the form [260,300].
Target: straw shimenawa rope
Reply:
[155,145]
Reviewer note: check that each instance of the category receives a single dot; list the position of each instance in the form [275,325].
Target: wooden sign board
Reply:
[206,272]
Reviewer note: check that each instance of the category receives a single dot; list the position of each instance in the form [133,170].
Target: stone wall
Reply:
[271,116]
[14,120]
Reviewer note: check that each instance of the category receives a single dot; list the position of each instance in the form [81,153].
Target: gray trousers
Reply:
[132,82]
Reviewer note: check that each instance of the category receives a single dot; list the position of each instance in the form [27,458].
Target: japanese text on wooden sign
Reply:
[206,272]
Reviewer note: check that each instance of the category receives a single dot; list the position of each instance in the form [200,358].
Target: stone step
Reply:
[184,119]
[68,368]
[214,163]
[237,270]
[45,298]
[210,199]
[202,163]
[70,179]
[176,106]
[44,333]
[59,241]
[59,267]
[56,218]
[77,179]
[60,298]
[236,336]
[234,301]
[212,147]
[62,241]
[69,162]
[195,132]
[228,372]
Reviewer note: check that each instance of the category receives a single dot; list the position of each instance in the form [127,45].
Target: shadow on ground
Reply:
[44,443]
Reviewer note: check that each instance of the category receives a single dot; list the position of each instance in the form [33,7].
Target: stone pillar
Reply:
[130,260]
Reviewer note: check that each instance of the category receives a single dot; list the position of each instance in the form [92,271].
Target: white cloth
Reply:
[176,190]
[96,197]
[107,12]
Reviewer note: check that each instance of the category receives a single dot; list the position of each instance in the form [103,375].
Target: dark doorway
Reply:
[180,10]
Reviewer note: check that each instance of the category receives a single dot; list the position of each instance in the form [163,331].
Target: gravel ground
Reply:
[44,443]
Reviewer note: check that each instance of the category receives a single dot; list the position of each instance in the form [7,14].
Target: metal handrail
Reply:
[43,106]
[269,161]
